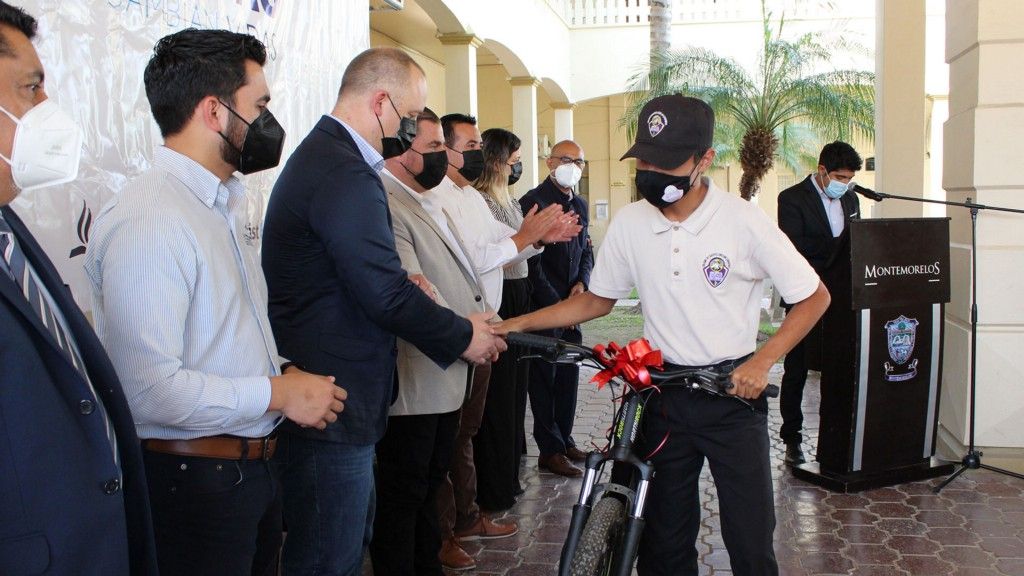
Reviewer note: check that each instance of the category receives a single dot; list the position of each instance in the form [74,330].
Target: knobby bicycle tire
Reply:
[600,540]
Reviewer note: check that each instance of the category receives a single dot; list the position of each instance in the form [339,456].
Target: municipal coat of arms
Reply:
[901,333]
[716,268]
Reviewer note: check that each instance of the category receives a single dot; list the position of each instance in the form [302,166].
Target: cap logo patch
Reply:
[656,122]
[716,268]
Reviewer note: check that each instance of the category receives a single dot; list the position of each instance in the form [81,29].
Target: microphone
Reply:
[866,192]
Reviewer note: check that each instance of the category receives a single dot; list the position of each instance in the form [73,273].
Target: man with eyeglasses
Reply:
[562,271]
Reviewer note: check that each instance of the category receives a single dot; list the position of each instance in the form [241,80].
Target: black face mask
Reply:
[396,145]
[435,166]
[263,143]
[517,173]
[652,186]
[472,164]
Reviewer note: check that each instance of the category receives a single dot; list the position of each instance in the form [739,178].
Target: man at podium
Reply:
[813,214]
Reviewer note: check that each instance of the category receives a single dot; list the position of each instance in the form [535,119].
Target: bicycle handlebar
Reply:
[708,379]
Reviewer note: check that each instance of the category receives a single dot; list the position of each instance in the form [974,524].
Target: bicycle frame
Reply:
[627,425]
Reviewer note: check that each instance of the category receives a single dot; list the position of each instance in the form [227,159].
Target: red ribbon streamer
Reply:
[631,362]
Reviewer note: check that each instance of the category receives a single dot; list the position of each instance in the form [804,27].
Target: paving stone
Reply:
[1003,547]
[870,554]
[925,565]
[1011,566]
[856,517]
[892,510]
[939,518]
[967,556]
[952,536]
[869,570]
[827,563]
[912,545]
[861,534]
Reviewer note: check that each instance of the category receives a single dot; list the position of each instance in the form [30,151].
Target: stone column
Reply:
[983,157]
[900,106]
[460,72]
[563,121]
[524,125]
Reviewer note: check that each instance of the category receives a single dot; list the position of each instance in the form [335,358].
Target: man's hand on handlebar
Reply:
[750,378]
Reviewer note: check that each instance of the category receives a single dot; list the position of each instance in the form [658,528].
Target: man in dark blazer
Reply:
[338,299]
[813,214]
[73,494]
[561,271]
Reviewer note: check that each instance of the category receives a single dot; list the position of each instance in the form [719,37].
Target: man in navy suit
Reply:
[73,494]
[813,214]
[338,299]
[560,272]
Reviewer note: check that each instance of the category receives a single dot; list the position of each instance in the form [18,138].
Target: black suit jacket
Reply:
[60,509]
[338,293]
[802,217]
[555,271]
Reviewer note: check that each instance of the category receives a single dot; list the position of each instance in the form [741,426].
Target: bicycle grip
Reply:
[533,341]
[771,391]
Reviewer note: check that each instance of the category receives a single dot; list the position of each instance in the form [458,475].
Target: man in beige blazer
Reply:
[413,456]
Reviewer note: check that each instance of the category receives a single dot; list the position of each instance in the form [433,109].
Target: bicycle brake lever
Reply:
[719,385]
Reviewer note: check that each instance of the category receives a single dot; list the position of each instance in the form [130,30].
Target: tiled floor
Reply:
[974,527]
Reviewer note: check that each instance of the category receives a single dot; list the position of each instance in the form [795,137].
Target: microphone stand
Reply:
[971,460]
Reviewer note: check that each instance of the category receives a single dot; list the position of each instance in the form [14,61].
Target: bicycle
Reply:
[608,518]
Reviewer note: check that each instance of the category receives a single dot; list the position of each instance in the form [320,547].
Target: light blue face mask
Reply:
[836,189]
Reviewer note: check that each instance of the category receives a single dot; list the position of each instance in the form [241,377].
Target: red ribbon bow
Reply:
[631,363]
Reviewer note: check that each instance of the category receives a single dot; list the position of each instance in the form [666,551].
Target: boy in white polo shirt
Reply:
[697,256]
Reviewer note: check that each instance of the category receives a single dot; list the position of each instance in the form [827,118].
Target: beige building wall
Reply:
[434,70]
[983,156]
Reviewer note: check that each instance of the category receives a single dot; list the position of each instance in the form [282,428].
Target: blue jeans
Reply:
[328,505]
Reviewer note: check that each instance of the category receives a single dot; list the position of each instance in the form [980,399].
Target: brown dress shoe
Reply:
[453,557]
[558,464]
[575,454]
[486,529]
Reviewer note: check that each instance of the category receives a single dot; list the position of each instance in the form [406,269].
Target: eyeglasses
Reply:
[579,162]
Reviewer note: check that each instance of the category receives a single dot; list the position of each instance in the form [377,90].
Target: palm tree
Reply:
[661,27]
[780,111]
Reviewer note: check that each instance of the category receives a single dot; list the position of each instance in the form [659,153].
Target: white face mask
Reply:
[47,147]
[568,175]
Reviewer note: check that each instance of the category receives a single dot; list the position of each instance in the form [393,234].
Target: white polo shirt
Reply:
[700,280]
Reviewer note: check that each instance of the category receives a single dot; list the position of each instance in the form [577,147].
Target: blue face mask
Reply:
[836,189]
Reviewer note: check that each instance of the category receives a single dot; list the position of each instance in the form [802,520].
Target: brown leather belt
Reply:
[221,447]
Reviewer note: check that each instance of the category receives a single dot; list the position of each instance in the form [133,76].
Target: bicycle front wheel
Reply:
[601,540]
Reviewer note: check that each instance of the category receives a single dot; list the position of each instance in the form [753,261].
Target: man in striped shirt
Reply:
[181,305]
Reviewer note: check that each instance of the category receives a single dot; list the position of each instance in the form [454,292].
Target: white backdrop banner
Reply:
[95,52]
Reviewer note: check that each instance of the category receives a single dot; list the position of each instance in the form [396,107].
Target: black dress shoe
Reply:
[794,455]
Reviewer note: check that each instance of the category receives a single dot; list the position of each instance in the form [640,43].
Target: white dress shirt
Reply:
[432,205]
[488,241]
[180,303]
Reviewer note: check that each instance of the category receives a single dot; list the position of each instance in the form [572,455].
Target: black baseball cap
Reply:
[671,129]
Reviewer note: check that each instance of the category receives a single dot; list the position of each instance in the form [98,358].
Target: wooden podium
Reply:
[881,355]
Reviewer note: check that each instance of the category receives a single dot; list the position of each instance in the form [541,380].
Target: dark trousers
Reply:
[216,517]
[456,498]
[328,492]
[734,440]
[553,401]
[791,397]
[498,445]
[412,460]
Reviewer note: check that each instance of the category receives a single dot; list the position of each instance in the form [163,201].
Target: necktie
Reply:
[16,267]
